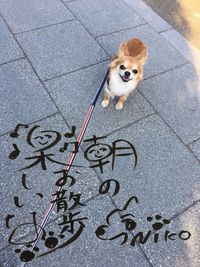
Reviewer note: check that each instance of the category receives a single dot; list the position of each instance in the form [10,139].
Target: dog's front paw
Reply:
[119,106]
[105,103]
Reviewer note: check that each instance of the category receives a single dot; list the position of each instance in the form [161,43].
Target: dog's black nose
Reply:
[127,73]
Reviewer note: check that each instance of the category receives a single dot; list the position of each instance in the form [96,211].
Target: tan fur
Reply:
[134,48]
[133,55]
[120,102]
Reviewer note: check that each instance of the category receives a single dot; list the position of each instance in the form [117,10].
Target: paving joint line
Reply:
[178,214]
[160,116]
[99,178]
[59,111]
[165,30]
[43,82]
[121,128]
[184,55]
[192,142]
[118,31]
[130,124]
[113,202]
[171,218]
[135,12]
[65,4]
[101,181]
[165,71]
[42,27]
[144,254]
[49,222]
[171,28]
[40,80]
[160,33]
[82,68]
[86,201]
[50,95]
[13,60]
[88,67]
[116,206]
[105,60]
[29,123]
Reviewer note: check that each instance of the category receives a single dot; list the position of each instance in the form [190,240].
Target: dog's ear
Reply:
[123,50]
[114,62]
[140,73]
[142,58]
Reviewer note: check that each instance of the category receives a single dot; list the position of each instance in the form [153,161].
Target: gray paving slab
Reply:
[9,49]
[8,258]
[195,147]
[175,95]
[104,16]
[88,250]
[80,87]
[162,55]
[23,97]
[60,49]
[179,253]
[166,178]
[23,15]
[188,50]
[39,180]
[148,15]
[181,15]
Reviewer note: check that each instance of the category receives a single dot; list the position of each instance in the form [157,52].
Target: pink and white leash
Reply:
[70,160]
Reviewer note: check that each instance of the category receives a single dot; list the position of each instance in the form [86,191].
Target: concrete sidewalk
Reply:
[53,57]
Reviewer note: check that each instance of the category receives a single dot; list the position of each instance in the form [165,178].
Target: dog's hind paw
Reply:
[119,106]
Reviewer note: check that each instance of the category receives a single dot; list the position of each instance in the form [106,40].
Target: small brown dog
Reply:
[125,71]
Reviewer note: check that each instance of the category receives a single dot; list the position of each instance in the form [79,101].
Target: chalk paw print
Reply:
[27,254]
[51,241]
[158,223]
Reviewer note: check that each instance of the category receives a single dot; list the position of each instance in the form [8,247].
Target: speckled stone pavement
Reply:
[53,57]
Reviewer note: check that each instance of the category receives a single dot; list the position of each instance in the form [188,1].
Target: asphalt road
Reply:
[183,15]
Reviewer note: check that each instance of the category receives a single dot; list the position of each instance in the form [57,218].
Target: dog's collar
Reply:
[108,80]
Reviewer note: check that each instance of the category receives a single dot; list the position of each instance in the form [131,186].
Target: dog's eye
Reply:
[122,67]
[135,71]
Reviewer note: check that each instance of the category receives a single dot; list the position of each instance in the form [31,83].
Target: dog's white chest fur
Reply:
[117,87]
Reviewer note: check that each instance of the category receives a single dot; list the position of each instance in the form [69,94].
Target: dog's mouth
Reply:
[125,79]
